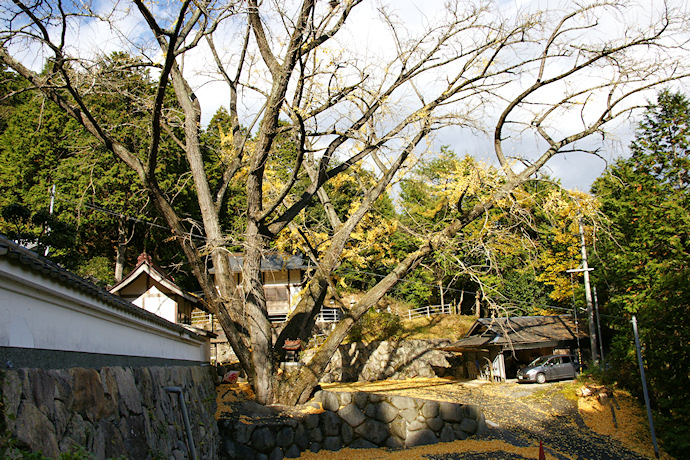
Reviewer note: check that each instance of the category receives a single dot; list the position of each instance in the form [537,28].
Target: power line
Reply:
[122,215]
[406,280]
[101,209]
[523,302]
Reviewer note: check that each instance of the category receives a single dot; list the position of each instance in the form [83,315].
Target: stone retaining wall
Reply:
[110,412]
[403,359]
[332,421]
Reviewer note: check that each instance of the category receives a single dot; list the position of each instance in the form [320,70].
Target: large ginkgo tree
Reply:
[553,77]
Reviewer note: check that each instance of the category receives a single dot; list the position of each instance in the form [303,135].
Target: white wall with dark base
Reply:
[46,311]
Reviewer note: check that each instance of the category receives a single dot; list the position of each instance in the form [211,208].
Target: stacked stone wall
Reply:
[355,420]
[403,359]
[110,412]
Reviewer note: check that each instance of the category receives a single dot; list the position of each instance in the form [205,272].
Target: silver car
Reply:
[547,368]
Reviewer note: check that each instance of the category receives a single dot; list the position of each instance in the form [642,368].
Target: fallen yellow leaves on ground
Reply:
[633,428]
[231,392]
[313,410]
[488,447]
[426,388]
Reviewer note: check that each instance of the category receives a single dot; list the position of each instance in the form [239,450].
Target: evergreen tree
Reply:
[647,259]
[11,95]
[41,146]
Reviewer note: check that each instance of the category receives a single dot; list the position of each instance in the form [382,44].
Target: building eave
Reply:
[43,269]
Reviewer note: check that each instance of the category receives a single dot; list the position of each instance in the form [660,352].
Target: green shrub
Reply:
[375,326]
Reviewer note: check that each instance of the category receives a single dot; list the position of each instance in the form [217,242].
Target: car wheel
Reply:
[541,378]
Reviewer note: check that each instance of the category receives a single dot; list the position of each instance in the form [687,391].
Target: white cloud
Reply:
[366,38]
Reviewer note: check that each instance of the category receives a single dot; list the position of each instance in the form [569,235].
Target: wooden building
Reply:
[282,276]
[149,287]
[495,348]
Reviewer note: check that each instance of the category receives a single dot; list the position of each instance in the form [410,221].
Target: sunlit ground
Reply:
[632,430]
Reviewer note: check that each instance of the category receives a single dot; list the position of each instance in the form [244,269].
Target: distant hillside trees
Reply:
[513,261]
[42,147]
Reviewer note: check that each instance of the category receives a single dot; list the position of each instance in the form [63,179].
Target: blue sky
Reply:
[575,170]
[366,36]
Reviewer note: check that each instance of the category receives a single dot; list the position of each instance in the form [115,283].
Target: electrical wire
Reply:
[122,215]
[405,280]
[351,271]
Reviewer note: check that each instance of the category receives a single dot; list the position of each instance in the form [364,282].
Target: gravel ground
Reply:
[525,414]
[518,415]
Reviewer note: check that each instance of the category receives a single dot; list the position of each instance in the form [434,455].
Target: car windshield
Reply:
[539,361]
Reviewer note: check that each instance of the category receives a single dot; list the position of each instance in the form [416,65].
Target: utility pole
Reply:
[588,296]
[52,206]
[601,341]
[440,290]
[577,323]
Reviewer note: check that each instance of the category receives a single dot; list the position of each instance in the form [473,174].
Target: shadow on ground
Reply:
[523,415]
[519,415]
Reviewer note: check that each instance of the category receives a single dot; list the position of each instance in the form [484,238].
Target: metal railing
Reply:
[429,310]
[329,315]
[326,315]
[277,317]
[204,320]
[201,317]
[317,339]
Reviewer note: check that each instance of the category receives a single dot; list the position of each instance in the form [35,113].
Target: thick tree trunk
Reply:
[303,317]
[263,366]
[298,387]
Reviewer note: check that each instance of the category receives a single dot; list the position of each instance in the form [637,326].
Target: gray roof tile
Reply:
[11,250]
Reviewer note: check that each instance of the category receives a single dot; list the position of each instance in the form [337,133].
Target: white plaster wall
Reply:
[38,312]
[295,278]
[157,302]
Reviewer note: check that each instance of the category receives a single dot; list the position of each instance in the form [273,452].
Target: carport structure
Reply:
[494,348]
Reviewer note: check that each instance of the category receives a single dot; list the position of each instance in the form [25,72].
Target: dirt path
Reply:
[519,417]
